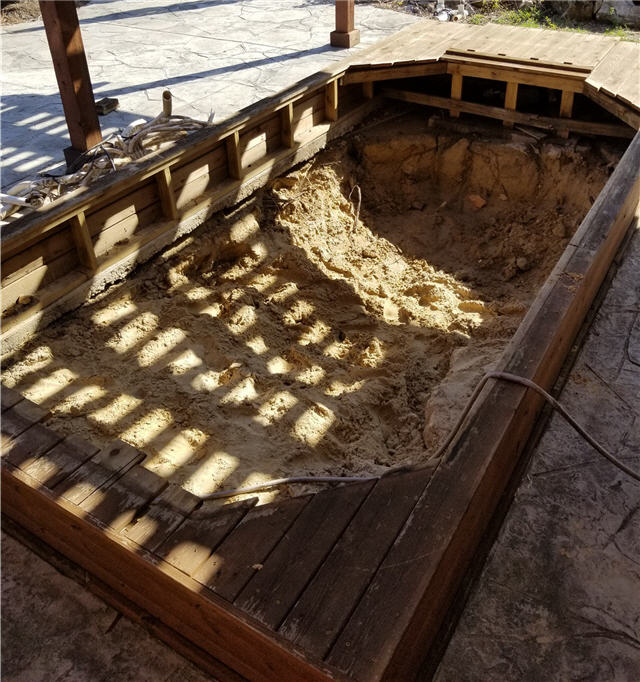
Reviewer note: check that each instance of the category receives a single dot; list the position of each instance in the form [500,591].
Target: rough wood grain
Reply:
[241,554]
[277,585]
[194,541]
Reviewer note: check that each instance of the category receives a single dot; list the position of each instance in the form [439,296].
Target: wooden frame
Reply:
[423,563]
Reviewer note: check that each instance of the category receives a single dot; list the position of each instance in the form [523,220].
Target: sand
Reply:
[333,323]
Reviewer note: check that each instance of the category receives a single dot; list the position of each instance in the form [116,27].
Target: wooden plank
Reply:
[166,513]
[52,247]
[241,554]
[194,541]
[286,126]
[29,445]
[9,397]
[273,590]
[233,155]
[61,461]
[502,72]
[72,73]
[19,418]
[368,75]
[155,586]
[45,297]
[510,100]
[367,89]
[117,504]
[623,58]
[83,243]
[331,101]
[456,92]
[112,461]
[610,104]
[322,610]
[165,191]
[421,572]
[546,122]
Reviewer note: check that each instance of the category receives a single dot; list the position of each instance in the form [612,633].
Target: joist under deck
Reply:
[353,582]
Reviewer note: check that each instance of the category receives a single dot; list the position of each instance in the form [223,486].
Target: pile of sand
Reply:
[333,324]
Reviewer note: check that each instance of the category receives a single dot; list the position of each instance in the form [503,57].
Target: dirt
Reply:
[309,332]
[19,12]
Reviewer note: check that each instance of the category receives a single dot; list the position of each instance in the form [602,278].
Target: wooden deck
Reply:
[351,583]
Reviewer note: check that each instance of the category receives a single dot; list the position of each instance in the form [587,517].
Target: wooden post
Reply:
[331,101]
[72,73]
[456,91]
[566,108]
[367,89]
[165,192]
[234,163]
[286,126]
[510,100]
[346,34]
[83,242]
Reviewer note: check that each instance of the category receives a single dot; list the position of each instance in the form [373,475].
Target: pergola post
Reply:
[345,35]
[72,73]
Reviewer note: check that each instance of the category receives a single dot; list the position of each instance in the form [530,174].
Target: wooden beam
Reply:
[364,75]
[83,243]
[233,155]
[510,100]
[165,191]
[456,92]
[70,64]
[346,34]
[566,108]
[331,101]
[286,126]
[367,89]
[546,122]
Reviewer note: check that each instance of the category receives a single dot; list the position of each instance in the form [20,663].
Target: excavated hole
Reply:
[289,338]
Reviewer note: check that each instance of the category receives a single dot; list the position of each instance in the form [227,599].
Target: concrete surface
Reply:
[559,597]
[54,630]
[214,55]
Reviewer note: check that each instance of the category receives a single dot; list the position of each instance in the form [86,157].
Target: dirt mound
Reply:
[334,324]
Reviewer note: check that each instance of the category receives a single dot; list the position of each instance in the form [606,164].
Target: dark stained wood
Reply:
[237,559]
[165,514]
[111,462]
[70,64]
[274,589]
[60,461]
[323,608]
[178,601]
[29,445]
[19,418]
[195,540]
[9,397]
[117,504]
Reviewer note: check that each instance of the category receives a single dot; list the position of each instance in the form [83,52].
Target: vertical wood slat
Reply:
[510,100]
[331,101]
[566,109]
[233,155]
[165,191]
[456,91]
[286,126]
[367,89]
[83,243]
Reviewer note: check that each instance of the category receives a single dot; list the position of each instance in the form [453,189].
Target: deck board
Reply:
[242,552]
[321,611]
[197,538]
[300,553]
